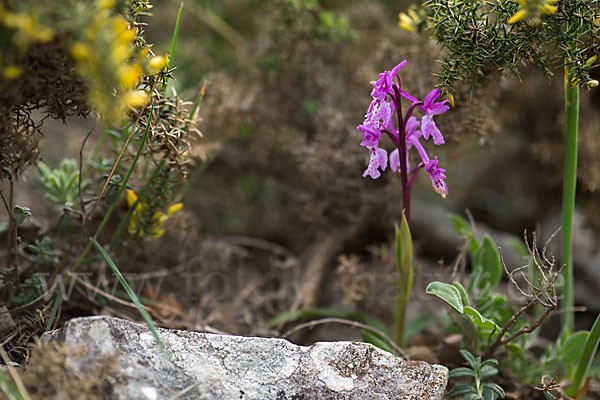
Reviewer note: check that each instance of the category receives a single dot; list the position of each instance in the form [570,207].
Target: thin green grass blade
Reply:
[175,34]
[568,200]
[130,292]
[54,310]
[587,359]
[91,260]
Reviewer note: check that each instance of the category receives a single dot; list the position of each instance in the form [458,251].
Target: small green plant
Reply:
[44,251]
[480,372]
[483,311]
[489,323]
[62,184]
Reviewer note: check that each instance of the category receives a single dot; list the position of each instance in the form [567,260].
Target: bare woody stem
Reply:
[11,236]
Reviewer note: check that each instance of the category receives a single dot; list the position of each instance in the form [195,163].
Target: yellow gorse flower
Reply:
[106,57]
[129,75]
[533,9]
[136,98]
[152,229]
[157,63]
[410,20]
[405,22]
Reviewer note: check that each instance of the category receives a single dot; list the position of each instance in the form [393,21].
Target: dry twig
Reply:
[542,292]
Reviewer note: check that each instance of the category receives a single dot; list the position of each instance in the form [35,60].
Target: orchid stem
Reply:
[402,154]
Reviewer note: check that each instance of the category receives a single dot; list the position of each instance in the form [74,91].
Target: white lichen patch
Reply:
[322,354]
[99,333]
[262,361]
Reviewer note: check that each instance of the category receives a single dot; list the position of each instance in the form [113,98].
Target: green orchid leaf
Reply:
[487,261]
[404,263]
[571,348]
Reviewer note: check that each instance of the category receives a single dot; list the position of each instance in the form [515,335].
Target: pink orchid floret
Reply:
[379,114]
[437,176]
[377,159]
[385,84]
[371,135]
[430,107]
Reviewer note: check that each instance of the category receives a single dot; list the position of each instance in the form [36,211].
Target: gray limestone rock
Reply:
[209,366]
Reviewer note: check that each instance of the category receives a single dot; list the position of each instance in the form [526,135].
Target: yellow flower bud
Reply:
[121,29]
[157,215]
[548,9]
[11,72]
[131,198]
[174,208]
[15,21]
[405,22]
[130,75]
[80,51]
[143,53]
[451,98]
[157,63]
[136,98]
[590,61]
[593,83]
[519,15]
[157,233]
[413,14]
[120,52]
[106,4]
[44,34]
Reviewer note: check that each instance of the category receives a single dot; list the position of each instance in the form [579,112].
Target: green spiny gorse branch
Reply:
[484,36]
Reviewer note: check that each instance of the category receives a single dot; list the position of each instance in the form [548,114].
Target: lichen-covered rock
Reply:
[209,366]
